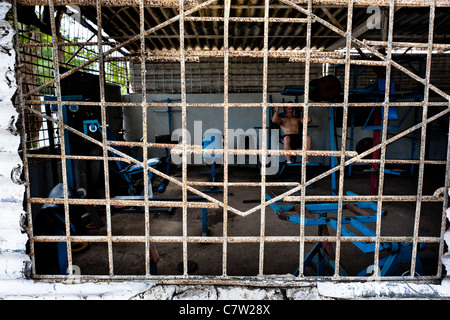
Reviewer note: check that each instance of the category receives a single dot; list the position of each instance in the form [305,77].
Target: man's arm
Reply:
[275,118]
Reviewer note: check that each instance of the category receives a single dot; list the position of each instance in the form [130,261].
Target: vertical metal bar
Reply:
[264,138]
[423,138]
[445,205]
[184,135]
[344,135]
[104,135]
[62,136]
[225,141]
[144,136]
[304,142]
[384,136]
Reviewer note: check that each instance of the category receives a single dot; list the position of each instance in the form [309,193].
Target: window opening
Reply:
[95,89]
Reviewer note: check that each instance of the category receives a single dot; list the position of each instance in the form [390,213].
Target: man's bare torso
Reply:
[290,125]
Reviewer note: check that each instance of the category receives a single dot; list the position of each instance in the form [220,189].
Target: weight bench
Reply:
[323,254]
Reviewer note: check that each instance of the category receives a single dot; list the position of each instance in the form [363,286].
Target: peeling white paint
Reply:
[382,290]
[35,290]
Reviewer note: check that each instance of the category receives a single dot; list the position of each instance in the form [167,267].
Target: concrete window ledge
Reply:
[23,289]
[385,290]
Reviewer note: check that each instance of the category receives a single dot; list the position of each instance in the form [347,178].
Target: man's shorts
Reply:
[296,140]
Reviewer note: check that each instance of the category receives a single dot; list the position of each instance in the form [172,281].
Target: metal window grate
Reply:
[341,157]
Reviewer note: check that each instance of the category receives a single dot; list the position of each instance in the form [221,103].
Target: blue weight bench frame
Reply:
[399,252]
[125,170]
[209,142]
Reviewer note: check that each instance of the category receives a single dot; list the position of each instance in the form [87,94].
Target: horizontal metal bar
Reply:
[384,198]
[246,19]
[232,239]
[339,61]
[196,149]
[175,3]
[393,161]
[132,203]
[243,184]
[107,3]
[53,156]
[276,281]
[64,44]
[441,46]
[245,105]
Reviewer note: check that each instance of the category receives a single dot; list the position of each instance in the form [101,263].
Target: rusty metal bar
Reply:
[343,136]
[184,134]
[53,156]
[144,135]
[304,142]
[245,19]
[445,205]
[132,202]
[249,281]
[232,239]
[441,46]
[155,203]
[245,105]
[64,44]
[390,25]
[174,3]
[226,51]
[55,54]
[264,138]
[423,138]
[197,150]
[106,3]
[385,198]
[104,137]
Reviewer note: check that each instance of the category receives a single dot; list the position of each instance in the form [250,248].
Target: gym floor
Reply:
[279,258]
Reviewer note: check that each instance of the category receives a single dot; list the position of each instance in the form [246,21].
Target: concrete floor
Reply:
[279,258]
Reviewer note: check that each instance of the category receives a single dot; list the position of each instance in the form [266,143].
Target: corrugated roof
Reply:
[287,33]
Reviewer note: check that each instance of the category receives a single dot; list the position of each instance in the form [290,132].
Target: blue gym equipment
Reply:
[321,254]
[128,171]
[212,141]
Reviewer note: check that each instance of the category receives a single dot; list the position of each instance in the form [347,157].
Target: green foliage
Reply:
[69,56]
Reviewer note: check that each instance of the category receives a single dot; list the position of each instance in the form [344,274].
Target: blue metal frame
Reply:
[399,252]
[208,143]
[125,171]
[69,163]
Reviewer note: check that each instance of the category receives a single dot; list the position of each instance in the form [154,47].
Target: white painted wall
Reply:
[249,118]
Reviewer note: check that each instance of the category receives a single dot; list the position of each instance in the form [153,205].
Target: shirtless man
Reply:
[290,126]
